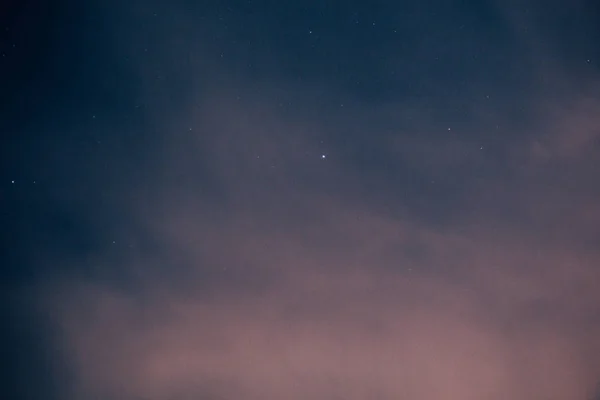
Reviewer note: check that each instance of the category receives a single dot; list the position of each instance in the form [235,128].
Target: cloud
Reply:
[263,271]
[286,289]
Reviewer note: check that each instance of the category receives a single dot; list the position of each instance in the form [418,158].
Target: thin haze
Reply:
[274,235]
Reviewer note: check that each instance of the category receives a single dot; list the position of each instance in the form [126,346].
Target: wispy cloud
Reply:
[266,271]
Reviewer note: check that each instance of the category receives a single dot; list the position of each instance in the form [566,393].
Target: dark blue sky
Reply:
[184,152]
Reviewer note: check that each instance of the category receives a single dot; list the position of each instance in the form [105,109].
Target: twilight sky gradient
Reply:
[301,200]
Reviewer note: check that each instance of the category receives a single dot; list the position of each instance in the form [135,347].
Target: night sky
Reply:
[291,200]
